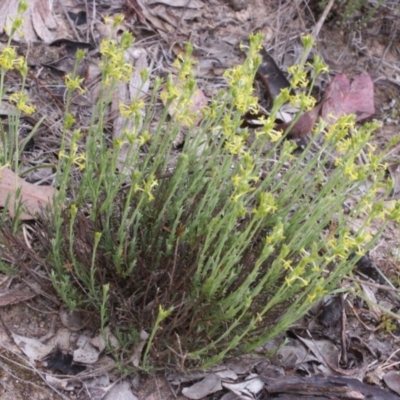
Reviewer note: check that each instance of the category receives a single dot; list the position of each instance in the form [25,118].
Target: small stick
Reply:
[318,25]
[343,332]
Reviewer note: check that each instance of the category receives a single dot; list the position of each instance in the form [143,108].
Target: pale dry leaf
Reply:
[14,296]
[394,170]
[62,339]
[137,352]
[175,17]
[392,380]
[32,348]
[92,393]
[156,23]
[291,356]
[95,389]
[210,384]
[246,389]
[86,353]
[8,9]
[39,21]
[62,383]
[121,391]
[100,342]
[324,350]
[6,342]
[44,22]
[35,198]
[372,301]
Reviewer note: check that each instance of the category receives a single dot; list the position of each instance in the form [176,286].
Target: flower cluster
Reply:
[20,99]
[243,180]
[131,110]
[18,21]
[74,157]
[298,76]
[74,83]
[113,63]
[147,187]
[9,59]
[240,78]
[180,92]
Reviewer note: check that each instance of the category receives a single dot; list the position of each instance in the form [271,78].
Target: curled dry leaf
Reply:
[35,198]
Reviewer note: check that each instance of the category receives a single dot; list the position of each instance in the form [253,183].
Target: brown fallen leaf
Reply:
[342,97]
[345,97]
[304,125]
[33,197]
[272,77]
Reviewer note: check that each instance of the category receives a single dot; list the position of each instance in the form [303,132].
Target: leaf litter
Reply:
[215,29]
[34,198]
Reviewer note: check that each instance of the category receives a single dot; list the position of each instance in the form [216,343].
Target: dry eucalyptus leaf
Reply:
[39,21]
[71,319]
[121,391]
[392,379]
[344,97]
[35,198]
[246,389]
[137,352]
[32,348]
[86,353]
[14,296]
[210,384]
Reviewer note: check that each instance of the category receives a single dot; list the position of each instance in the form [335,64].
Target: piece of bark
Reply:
[330,387]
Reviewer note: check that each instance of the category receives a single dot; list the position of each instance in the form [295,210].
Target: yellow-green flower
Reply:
[275,135]
[8,58]
[144,138]
[74,83]
[69,120]
[277,234]
[131,110]
[113,62]
[298,76]
[267,205]
[318,66]
[235,145]
[20,99]
[148,186]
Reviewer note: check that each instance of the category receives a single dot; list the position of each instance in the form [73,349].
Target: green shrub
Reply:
[218,247]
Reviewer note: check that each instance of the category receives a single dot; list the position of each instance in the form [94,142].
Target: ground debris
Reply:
[319,387]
